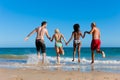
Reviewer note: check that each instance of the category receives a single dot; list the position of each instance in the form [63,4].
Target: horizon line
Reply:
[63,47]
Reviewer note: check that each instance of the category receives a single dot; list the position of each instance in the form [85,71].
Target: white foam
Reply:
[32,59]
[66,64]
[107,62]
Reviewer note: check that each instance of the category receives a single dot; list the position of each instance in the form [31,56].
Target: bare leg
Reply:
[79,52]
[43,59]
[92,57]
[74,55]
[61,50]
[38,54]
[58,56]
[101,52]
[74,52]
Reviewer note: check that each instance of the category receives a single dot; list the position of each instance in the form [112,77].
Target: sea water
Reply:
[27,58]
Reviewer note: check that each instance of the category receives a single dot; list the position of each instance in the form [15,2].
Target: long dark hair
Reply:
[76,27]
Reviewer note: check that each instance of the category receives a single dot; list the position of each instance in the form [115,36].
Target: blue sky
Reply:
[19,17]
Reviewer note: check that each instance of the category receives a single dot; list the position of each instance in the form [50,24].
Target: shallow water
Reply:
[27,58]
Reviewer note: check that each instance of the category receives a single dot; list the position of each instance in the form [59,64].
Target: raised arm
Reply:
[64,38]
[48,35]
[35,30]
[70,39]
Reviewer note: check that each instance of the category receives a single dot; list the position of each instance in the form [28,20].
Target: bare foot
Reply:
[42,62]
[38,56]
[92,62]
[73,60]
[103,54]
[62,53]
[78,60]
[58,63]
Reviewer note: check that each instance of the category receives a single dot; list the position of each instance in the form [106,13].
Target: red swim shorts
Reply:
[95,44]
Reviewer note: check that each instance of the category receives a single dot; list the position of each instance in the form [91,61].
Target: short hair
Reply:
[43,23]
[76,27]
[93,24]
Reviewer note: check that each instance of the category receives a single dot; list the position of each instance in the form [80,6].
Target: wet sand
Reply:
[31,74]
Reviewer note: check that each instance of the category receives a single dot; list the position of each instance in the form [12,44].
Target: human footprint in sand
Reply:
[40,44]
[76,34]
[95,44]
[58,44]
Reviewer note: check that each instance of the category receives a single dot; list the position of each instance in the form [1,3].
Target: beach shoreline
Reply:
[44,74]
[22,64]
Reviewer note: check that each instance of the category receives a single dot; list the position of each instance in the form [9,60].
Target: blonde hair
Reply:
[57,31]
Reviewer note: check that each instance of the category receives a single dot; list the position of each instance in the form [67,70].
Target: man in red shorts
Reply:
[95,44]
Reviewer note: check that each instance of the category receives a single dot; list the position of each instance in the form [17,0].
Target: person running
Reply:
[58,44]
[40,44]
[76,34]
[95,44]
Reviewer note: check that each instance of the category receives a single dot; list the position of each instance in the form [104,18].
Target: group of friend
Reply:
[57,36]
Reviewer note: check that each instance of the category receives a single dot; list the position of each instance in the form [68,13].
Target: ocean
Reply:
[27,58]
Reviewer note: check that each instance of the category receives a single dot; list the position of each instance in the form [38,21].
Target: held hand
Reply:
[26,38]
[85,34]
[51,40]
[66,44]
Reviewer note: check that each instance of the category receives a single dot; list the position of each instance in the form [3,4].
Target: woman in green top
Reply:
[58,44]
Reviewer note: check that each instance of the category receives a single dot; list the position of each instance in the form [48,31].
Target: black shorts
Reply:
[40,45]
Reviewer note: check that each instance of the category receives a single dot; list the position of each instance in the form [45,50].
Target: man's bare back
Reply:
[41,31]
[95,43]
[39,42]
[95,33]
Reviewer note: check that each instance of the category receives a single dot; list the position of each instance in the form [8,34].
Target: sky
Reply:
[19,17]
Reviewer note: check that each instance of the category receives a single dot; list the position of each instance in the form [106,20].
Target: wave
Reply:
[11,56]
[31,62]
[32,59]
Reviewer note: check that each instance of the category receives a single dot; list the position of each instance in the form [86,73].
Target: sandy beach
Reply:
[31,74]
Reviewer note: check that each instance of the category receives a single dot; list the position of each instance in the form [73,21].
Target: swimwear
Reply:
[58,44]
[95,44]
[77,41]
[40,45]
